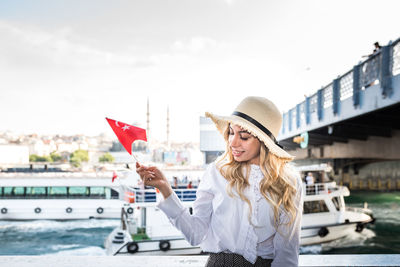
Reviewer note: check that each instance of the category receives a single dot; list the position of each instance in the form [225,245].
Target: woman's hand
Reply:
[152,176]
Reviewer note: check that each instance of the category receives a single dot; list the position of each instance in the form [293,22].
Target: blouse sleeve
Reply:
[193,227]
[287,239]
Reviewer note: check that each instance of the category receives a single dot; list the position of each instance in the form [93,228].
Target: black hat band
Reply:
[259,125]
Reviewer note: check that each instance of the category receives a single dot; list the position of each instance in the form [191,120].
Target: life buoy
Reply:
[4,210]
[68,210]
[164,245]
[323,232]
[132,247]
[100,210]
[359,227]
[129,210]
[38,210]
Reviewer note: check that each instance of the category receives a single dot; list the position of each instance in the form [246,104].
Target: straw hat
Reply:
[258,116]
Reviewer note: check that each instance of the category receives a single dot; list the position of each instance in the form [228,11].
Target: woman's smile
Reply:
[237,153]
[244,146]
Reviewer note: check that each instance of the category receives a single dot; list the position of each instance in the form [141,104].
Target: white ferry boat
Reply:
[61,196]
[148,231]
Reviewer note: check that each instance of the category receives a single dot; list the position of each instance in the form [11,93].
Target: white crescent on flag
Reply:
[116,123]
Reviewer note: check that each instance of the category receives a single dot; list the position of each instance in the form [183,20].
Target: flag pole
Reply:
[135,158]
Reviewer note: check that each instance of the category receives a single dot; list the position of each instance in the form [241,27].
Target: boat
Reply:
[325,215]
[148,231]
[62,196]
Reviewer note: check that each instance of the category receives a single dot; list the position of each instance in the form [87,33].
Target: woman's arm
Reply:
[194,227]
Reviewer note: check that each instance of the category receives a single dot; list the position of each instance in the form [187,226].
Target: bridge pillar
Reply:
[356,85]
[386,72]
[308,119]
[298,116]
[320,104]
[336,96]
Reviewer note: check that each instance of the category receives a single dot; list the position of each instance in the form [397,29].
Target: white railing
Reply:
[191,261]
[320,188]
[137,195]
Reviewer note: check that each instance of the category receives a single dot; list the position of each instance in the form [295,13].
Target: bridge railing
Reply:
[378,68]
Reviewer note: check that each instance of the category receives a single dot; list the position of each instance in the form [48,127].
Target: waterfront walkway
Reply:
[187,261]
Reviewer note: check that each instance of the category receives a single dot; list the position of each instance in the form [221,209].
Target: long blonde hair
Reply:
[278,186]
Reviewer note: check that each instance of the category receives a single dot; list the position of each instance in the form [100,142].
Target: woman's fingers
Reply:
[150,174]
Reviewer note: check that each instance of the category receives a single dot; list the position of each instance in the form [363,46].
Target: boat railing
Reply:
[320,188]
[138,195]
[359,210]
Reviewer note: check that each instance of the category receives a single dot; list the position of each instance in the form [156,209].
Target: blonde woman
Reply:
[249,202]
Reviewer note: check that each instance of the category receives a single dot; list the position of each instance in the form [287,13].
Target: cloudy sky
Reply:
[67,64]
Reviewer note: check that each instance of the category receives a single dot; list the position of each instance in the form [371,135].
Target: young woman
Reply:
[249,202]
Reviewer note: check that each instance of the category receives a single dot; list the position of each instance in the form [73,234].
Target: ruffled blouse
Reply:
[220,223]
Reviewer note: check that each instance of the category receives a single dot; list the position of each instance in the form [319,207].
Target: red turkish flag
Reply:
[127,134]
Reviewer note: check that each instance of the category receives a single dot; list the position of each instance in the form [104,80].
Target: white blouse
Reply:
[221,223]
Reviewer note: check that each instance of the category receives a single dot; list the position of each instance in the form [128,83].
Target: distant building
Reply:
[42,148]
[212,144]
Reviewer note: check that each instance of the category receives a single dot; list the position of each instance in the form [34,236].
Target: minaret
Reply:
[168,142]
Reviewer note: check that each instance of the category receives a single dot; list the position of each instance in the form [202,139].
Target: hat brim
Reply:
[221,122]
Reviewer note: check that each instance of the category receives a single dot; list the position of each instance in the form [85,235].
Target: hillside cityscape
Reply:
[88,153]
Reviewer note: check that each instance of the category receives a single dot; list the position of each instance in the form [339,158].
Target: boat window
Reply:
[78,191]
[336,201]
[97,192]
[58,191]
[315,206]
[18,191]
[38,191]
[28,190]
[114,194]
[108,193]
[7,191]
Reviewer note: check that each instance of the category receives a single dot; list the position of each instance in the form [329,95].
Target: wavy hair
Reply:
[278,186]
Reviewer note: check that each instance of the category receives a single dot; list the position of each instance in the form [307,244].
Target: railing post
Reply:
[307,110]
[336,95]
[290,120]
[386,73]
[356,85]
[320,104]
[283,122]
[298,116]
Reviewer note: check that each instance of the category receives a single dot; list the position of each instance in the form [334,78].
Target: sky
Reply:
[65,65]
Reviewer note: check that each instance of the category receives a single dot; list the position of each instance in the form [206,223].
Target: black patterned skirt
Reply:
[222,259]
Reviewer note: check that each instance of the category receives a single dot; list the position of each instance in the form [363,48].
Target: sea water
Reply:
[86,237]
[45,237]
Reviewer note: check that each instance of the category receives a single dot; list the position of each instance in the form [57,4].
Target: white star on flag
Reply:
[126,127]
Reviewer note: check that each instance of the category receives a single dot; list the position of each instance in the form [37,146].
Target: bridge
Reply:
[353,121]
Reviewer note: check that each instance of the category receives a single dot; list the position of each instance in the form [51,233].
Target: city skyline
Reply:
[66,65]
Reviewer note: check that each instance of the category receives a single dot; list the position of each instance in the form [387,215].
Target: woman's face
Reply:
[244,146]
